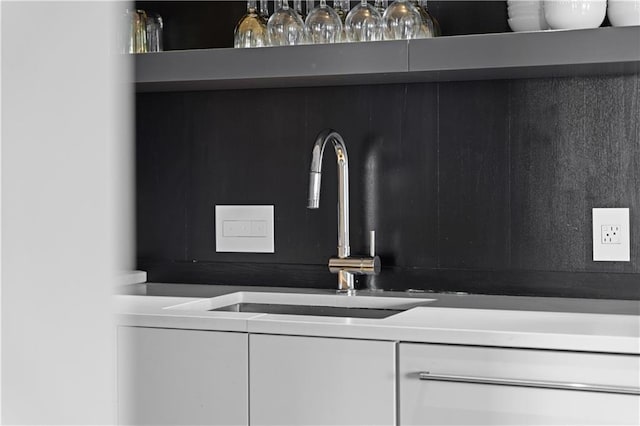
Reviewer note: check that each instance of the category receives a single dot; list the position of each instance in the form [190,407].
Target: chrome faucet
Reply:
[345,265]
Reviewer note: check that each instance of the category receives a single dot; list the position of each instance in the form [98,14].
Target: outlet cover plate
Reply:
[244,229]
[606,249]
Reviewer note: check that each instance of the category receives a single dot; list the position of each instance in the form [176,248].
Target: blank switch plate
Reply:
[244,229]
[611,240]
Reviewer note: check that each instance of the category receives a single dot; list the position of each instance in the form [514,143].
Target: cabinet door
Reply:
[483,394]
[320,381]
[182,377]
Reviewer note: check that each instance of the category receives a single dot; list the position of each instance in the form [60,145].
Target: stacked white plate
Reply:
[526,15]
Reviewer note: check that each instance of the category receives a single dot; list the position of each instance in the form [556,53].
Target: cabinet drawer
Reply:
[444,384]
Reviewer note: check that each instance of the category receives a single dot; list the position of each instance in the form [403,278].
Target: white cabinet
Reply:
[511,386]
[321,381]
[182,377]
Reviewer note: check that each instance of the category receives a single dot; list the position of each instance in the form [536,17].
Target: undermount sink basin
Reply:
[329,305]
[322,311]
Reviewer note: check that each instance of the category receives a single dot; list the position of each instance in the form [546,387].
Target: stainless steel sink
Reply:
[322,311]
[325,305]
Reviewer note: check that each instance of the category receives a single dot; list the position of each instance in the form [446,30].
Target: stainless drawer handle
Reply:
[530,383]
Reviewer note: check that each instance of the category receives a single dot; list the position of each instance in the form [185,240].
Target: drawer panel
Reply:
[478,385]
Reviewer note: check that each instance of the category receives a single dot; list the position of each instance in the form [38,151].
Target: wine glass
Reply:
[426,25]
[363,23]
[381,6]
[323,25]
[402,21]
[251,30]
[264,9]
[436,31]
[285,27]
[154,32]
[297,6]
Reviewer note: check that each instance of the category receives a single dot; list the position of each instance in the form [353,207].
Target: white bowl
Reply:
[623,13]
[574,14]
[525,7]
[527,23]
[533,13]
[526,3]
[524,12]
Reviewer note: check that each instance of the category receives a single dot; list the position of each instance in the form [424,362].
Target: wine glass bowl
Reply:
[402,21]
[285,27]
[363,23]
[251,30]
[323,25]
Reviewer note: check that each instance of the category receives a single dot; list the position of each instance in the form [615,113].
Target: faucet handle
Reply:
[372,243]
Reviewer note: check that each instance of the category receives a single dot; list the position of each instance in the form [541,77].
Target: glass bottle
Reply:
[251,30]
[323,25]
[402,21]
[363,23]
[285,27]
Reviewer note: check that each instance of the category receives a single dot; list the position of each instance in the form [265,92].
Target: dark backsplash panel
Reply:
[479,187]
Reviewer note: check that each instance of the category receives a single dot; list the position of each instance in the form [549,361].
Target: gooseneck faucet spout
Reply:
[315,176]
[345,266]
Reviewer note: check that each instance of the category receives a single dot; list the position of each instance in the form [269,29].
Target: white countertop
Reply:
[448,320]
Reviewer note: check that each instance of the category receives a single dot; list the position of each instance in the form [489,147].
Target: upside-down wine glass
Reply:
[297,6]
[402,21]
[285,27]
[363,23]
[426,25]
[323,25]
[381,6]
[264,9]
[342,9]
[437,32]
[251,30]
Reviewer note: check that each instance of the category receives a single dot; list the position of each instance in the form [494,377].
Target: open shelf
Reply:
[596,51]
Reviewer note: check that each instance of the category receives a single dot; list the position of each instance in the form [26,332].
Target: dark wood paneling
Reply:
[548,145]
[162,175]
[196,24]
[575,146]
[481,187]
[470,17]
[473,157]
[612,160]
[516,283]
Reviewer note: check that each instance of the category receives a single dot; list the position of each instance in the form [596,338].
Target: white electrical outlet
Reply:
[244,229]
[611,236]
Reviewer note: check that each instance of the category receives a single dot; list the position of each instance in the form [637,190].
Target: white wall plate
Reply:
[244,229]
[611,235]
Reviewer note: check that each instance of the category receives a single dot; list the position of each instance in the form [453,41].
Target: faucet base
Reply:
[346,282]
[351,292]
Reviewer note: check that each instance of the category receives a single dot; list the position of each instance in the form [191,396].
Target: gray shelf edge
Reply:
[603,51]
